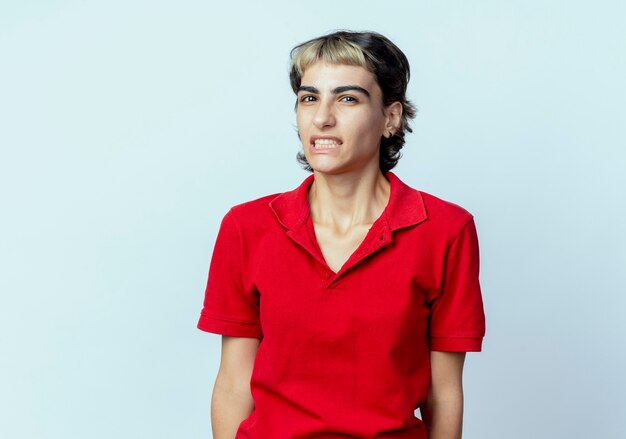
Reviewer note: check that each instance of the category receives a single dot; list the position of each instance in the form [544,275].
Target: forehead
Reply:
[323,74]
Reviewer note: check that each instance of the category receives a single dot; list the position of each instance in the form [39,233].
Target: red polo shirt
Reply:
[344,354]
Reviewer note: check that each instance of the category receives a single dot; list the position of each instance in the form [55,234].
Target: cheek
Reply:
[301,120]
[301,127]
[370,126]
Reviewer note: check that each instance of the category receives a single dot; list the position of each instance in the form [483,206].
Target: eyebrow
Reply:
[335,91]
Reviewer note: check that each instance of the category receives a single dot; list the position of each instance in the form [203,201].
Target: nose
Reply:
[324,116]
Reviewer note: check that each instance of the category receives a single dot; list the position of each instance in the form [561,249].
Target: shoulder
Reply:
[439,206]
[439,218]
[280,208]
[445,214]
[255,206]
[253,215]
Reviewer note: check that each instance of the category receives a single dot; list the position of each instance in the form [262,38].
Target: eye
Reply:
[350,99]
[307,98]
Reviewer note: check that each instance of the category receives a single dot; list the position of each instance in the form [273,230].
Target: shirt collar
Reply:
[404,208]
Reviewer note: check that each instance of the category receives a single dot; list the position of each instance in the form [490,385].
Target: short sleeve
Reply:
[457,321]
[229,308]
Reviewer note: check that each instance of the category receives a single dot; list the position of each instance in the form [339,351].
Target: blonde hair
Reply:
[375,53]
[332,51]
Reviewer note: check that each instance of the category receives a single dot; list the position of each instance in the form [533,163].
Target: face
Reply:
[341,118]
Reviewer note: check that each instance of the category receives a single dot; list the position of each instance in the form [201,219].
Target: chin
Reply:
[329,170]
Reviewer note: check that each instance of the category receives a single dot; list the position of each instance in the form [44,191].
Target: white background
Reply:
[128,128]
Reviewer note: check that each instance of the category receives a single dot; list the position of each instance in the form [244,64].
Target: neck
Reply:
[345,200]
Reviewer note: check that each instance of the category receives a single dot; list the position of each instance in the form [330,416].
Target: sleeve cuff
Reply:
[231,328]
[456,344]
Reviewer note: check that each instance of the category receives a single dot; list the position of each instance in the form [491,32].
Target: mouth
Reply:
[325,143]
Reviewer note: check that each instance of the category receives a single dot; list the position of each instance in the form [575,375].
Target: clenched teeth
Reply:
[325,143]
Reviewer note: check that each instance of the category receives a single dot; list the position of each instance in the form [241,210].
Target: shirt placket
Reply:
[377,237]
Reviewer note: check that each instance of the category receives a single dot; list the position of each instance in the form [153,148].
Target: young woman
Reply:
[348,302]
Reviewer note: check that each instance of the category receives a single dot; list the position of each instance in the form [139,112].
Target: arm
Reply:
[232,401]
[443,414]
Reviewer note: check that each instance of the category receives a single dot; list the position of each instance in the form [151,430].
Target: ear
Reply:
[393,113]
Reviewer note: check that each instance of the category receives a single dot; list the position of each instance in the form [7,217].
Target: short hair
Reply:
[375,53]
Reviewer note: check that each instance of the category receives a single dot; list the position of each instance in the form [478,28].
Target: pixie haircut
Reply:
[376,54]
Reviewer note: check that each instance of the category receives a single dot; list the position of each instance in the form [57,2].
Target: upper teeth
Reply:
[325,143]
